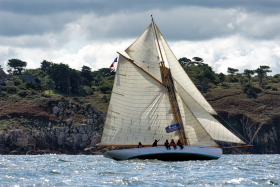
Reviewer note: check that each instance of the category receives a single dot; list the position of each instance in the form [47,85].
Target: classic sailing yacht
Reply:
[143,109]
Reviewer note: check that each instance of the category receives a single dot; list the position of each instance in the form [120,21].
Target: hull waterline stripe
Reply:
[175,154]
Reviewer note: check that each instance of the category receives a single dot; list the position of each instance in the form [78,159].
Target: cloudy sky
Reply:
[239,34]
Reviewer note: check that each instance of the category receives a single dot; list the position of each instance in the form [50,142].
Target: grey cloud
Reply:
[184,23]
[187,20]
[14,24]
[105,7]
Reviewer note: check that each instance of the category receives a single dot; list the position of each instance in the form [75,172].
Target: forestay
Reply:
[195,102]
[144,52]
[139,109]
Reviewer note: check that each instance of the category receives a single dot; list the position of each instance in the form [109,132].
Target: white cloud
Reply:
[235,51]
[96,56]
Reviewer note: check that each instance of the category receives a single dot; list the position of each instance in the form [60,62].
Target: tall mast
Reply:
[167,84]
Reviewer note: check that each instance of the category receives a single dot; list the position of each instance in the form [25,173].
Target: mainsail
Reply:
[144,52]
[192,103]
[139,109]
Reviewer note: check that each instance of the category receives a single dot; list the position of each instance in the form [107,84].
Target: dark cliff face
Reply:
[266,137]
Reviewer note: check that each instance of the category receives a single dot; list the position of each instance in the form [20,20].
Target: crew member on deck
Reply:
[179,143]
[155,143]
[166,144]
[172,143]
[140,145]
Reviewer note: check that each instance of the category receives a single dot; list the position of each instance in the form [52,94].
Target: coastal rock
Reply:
[29,147]
[81,128]
[95,140]
[77,139]
[84,137]
[55,110]
[69,121]
[60,104]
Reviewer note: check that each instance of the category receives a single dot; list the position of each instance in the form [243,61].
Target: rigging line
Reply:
[233,128]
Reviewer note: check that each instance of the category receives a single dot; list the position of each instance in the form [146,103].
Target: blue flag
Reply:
[172,128]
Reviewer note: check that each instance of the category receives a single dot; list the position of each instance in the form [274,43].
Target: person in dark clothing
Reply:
[140,145]
[179,143]
[172,143]
[155,143]
[167,145]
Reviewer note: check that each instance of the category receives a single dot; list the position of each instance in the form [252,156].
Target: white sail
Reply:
[139,109]
[216,130]
[194,131]
[144,52]
[183,79]
[193,99]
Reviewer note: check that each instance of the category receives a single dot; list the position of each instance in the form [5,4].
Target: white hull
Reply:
[161,153]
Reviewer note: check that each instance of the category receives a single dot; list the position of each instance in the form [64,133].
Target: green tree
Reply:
[17,81]
[87,76]
[197,60]
[15,66]
[248,73]
[261,74]
[232,71]
[266,70]
[45,65]
[48,83]
[222,77]
[205,75]
[61,74]
[76,81]
[184,62]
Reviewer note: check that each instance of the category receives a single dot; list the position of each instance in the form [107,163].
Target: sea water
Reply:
[95,170]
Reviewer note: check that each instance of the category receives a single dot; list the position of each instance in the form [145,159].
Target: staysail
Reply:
[195,133]
[139,109]
[144,52]
[192,99]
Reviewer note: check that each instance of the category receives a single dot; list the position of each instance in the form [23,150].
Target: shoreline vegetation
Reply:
[64,111]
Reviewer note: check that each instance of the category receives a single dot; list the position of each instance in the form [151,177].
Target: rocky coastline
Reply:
[63,137]
[74,128]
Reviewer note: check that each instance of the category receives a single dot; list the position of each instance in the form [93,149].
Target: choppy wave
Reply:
[95,170]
